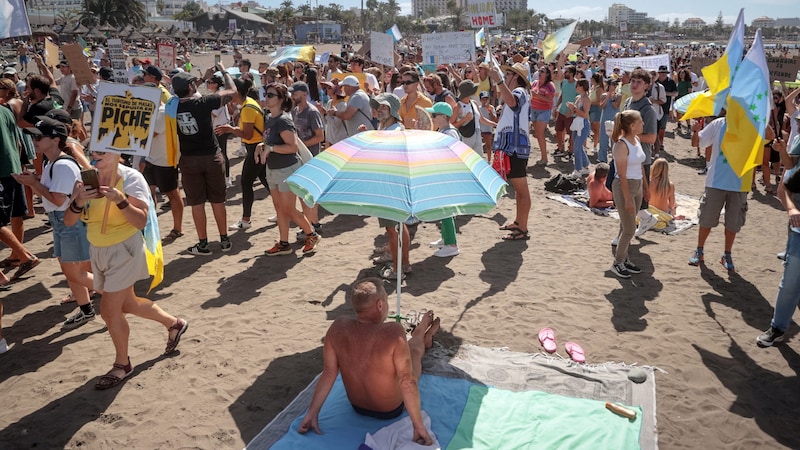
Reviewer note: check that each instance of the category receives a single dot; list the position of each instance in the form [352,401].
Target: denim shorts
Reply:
[540,115]
[69,243]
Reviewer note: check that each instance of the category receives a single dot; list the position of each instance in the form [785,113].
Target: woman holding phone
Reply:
[118,255]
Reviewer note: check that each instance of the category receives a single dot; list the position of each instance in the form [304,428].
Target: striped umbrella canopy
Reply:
[682,104]
[399,175]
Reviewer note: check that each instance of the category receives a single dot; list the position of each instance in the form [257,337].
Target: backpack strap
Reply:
[65,157]
[260,111]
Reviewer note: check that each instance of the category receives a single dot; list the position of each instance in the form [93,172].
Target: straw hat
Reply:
[519,69]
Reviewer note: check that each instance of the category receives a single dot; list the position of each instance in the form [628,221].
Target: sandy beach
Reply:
[256,323]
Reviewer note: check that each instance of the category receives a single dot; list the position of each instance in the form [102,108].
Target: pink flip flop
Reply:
[548,339]
[575,352]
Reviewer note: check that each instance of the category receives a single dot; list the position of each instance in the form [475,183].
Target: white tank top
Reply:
[635,159]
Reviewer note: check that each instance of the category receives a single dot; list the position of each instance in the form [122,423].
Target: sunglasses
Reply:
[38,137]
[408,82]
[98,153]
[436,114]
[271,95]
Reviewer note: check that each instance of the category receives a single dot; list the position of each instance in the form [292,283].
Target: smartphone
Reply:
[89,178]
[217,59]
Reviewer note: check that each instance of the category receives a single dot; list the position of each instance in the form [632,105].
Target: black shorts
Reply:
[379,414]
[519,167]
[166,178]
[12,200]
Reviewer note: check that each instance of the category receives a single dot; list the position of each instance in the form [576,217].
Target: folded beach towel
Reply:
[398,435]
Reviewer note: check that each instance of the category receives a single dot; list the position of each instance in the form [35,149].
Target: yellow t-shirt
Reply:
[625,94]
[118,229]
[165,94]
[252,114]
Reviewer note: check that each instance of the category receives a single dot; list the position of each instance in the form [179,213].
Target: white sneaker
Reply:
[575,174]
[447,251]
[437,244]
[585,171]
[273,219]
[645,225]
[4,347]
[615,242]
[228,182]
[240,225]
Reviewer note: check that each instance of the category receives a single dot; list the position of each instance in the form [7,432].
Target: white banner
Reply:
[124,118]
[13,19]
[382,48]
[482,14]
[118,60]
[645,62]
[448,48]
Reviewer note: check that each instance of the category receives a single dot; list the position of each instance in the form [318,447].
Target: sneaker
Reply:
[781,255]
[273,219]
[279,249]
[631,267]
[645,225]
[225,245]
[558,153]
[447,251]
[437,243]
[241,224]
[383,258]
[703,172]
[388,273]
[727,261]
[197,249]
[228,182]
[620,270]
[585,171]
[697,258]
[576,174]
[615,242]
[770,337]
[4,347]
[311,244]
[80,318]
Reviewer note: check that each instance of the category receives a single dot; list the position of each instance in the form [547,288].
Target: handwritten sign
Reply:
[125,116]
[482,14]
[783,69]
[117,57]
[50,53]
[78,64]
[166,56]
[645,62]
[448,48]
[382,51]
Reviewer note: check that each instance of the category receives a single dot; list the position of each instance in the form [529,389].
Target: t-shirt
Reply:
[9,152]
[272,136]
[118,229]
[158,146]
[65,174]
[547,89]
[568,94]
[68,86]
[307,122]
[252,113]
[645,108]
[195,129]
[360,101]
[42,107]
[409,112]
[720,173]
[669,86]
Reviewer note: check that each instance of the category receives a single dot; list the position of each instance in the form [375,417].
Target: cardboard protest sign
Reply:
[77,63]
[448,48]
[783,69]
[50,53]
[118,60]
[362,78]
[166,56]
[124,118]
[382,51]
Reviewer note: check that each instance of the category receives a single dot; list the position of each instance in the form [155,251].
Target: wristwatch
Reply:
[270,148]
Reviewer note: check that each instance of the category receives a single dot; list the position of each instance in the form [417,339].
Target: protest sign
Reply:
[382,48]
[482,14]
[124,116]
[50,53]
[783,69]
[362,78]
[166,56]
[645,62]
[118,60]
[448,48]
[77,63]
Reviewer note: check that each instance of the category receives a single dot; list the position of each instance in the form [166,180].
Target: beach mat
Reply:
[445,396]
[687,206]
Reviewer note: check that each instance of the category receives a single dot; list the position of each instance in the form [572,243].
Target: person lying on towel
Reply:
[380,368]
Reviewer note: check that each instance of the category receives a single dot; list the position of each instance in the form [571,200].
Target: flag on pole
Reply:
[748,109]
[303,53]
[480,38]
[719,76]
[395,32]
[492,61]
[556,42]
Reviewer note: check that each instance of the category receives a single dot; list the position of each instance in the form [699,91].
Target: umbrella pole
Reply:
[399,267]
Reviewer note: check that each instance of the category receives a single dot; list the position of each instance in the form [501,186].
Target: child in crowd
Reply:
[599,195]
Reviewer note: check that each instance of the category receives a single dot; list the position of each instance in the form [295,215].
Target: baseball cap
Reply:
[154,71]
[59,115]
[441,108]
[484,94]
[351,81]
[63,62]
[298,86]
[46,126]
[182,80]
[10,71]
[146,61]
[106,73]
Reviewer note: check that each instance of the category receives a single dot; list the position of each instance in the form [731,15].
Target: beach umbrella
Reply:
[404,176]
[234,72]
[682,104]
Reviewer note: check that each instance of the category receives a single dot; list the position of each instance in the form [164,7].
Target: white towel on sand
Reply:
[398,435]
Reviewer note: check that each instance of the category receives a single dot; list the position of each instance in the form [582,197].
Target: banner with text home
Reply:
[448,48]
[124,118]
[482,14]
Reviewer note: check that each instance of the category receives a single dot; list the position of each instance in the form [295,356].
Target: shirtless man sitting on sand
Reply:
[380,368]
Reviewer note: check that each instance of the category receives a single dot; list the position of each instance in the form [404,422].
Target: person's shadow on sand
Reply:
[766,396]
[737,293]
[628,301]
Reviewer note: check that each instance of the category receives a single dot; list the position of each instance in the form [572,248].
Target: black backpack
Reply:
[561,184]
[468,129]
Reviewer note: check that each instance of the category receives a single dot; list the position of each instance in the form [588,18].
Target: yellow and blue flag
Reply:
[153,249]
[480,38]
[556,42]
[748,110]
[302,53]
[719,76]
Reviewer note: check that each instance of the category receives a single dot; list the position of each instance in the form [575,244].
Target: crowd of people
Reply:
[500,110]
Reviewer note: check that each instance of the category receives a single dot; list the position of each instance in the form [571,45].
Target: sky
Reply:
[707,10]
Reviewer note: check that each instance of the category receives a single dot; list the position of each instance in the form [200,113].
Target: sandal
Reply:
[517,235]
[180,325]
[510,226]
[9,263]
[25,268]
[170,238]
[770,190]
[108,381]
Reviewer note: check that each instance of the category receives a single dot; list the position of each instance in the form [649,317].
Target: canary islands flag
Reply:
[748,109]
[480,38]
[556,42]
[303,53]
[153,249]
[719,76]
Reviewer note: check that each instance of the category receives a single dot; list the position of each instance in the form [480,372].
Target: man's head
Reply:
[299,92]
[36,87]
[601,171]
[11,74]
[356,64]
[63,66]
[662,73]
[350,85]
[387,106]
[432,84]
[410,81]
[152,74]
[368,294]
[484,96]
[569,72]
[244,65]
[640,79]
[183,84]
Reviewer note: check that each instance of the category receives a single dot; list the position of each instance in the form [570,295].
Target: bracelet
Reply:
[75,208]
[123,204]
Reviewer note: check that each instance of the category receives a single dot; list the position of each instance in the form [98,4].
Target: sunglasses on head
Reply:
[271,95]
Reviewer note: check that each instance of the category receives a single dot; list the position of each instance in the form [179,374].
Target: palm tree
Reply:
[67,18]
[115,13]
